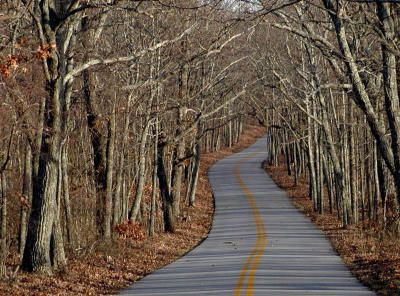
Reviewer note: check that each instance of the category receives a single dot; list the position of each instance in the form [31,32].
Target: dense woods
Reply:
[335,106]
[106,107]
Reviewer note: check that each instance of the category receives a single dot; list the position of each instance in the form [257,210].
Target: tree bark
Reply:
[27,199]
[3,223]
[109,176]
[57,253]
[65,187]
[311,147]
[118,201]
[141,174]
[167,202]
[37,251]
[196,167]
[154,185]
[178,167]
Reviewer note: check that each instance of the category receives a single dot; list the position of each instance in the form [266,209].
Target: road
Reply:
[259,243]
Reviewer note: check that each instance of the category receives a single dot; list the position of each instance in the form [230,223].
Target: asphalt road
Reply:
[259,243]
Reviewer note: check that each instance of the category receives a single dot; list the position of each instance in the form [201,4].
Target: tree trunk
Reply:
[65,187]
[196,167]
[287,153]
[178,167]
[321,178]
[38,138]
[141,174]
[3,223]
[57,245]
[382,188]
[154,185]
[109,176]
[376,182]
[98,142]
[353,169]
[311,147]
[167,202]
[177,178]
[362,186]
[328,182]
[27,199]
[37,250]
[118,201]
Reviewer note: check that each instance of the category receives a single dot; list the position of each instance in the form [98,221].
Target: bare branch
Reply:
[77,70]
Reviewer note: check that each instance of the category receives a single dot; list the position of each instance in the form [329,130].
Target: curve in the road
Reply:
[261,235]
[259,244]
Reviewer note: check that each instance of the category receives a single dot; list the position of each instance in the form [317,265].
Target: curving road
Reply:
[259,243]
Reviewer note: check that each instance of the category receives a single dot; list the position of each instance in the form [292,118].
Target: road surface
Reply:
[259,243]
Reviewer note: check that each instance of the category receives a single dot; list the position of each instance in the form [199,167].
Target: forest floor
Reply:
[371,252]
[105,269]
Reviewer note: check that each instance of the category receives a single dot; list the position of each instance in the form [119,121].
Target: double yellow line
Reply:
[251,264]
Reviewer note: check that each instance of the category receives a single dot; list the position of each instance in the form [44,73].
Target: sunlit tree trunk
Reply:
[65,187]
[109,175]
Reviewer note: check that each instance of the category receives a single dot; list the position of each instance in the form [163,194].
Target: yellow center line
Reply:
[250,281]
[261,236]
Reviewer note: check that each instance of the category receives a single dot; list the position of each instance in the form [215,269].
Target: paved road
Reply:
[259,244]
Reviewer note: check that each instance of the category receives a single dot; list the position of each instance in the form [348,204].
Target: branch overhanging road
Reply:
[259,243]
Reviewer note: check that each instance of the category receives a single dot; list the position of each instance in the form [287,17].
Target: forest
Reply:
[107,107]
